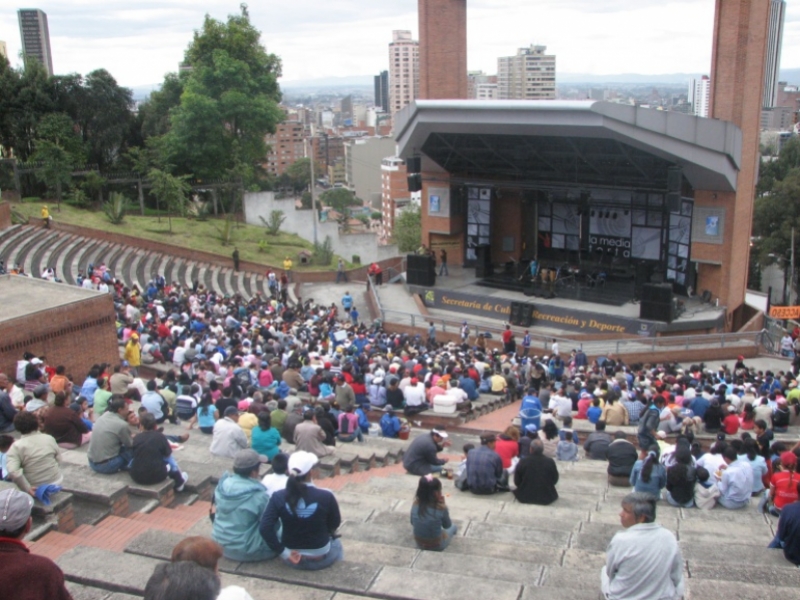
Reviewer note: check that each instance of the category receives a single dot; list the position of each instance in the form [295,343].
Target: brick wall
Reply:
[442,49]
[76,335]
[737,81]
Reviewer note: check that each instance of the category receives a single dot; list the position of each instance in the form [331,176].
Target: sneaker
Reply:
[185,476]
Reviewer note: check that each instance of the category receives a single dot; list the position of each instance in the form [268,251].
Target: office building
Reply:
[699,95]
[403,70]
[394,194]
[3,49]
[382,91]
[481,86]
[442,49]
[772,65]
[363,158]
[35,36]
[285,147]
[529,75]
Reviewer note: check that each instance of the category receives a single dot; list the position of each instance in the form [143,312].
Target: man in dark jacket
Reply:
[420,458]
[536,477]
[621,455]
[598,442]
[7,410]
[64,424]
[648,425]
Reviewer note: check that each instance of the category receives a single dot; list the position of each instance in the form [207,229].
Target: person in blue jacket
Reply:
[240,500]
[390,423]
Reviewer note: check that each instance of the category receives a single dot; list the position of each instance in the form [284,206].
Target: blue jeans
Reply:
[315,563]
[732,504]
[443,269]
[352,437]
[121,462]
[776,543]
[341,275]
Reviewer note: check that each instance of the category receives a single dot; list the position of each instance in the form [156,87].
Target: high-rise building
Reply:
[35,36]
[382,91]
[699,95]
[394,194]
[529,75]
[346,111]
[363,158]
[442,49]
[777,14]
[286,146]
[403,70]
[481,86]
[3,49]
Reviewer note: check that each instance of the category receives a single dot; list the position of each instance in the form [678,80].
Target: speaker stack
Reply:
[657,303]
[414,170]
[521,314]
[420,270]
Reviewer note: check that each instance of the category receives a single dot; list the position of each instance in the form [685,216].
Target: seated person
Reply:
[736,484]
[184,580]
[308,516]
[65,425]
[430,518]
[25,575]
[206,553]
[648,475]
[390,423]
[788,535]
[596,445]
[706,491]
[277,479]
[34,459]
[111,443]
[152,456]
[485,473]
[240,500]
[349,429]
[420,456]
[621,455]
[536,477]
[567,450]
[265,439]
[228,438]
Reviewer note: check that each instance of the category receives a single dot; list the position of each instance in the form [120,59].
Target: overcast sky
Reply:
[138,42]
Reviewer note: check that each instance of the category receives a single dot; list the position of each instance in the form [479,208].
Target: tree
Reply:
[115,208]
[339,199]
[57,128]
[93,183]
[139,159]
[31,100]
[56,169]
[298,174]
[155,110]
[273,225]
[407,233]
[171,190]
[229,101]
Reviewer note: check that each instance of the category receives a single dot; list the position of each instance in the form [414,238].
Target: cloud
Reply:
[139,42]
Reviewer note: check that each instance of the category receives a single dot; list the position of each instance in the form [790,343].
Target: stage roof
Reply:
[569,143]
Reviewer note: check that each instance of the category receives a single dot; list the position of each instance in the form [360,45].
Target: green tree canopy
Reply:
[339,199]
[228,104]
[407,233]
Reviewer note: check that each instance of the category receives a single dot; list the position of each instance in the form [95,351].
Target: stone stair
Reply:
[503,549]
[36,248]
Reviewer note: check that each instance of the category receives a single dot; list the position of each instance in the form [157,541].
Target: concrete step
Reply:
[64,260]
[33,257]
[7,237]
[20,250]
[84,592]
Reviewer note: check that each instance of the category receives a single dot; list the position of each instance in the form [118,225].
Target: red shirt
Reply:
[507,449]
[583,407]
[507,335]
[785,488]
[730,424]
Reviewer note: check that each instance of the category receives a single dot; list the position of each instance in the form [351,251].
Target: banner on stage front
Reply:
[784,312]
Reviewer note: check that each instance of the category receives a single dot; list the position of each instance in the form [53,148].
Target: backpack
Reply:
[282,390]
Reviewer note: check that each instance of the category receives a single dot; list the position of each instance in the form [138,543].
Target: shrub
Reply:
[114,208]
[323,253]
[273,225]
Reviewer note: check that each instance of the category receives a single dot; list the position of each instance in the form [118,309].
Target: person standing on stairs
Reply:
[235,257]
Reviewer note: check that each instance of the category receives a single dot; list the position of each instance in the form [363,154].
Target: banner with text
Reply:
[544,315]
[784,312]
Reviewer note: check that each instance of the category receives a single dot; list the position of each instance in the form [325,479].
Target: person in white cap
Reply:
[30,576]
[309,517]
[420,457]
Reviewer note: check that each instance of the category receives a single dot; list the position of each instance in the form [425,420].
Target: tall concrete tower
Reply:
[443,49]
[403,70]
[35,36]
[777,15]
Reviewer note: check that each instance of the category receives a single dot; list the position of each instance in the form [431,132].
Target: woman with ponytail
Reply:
[648,474]
[309,517]
[430,518]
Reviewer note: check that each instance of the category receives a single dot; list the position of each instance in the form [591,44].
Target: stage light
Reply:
[614,215]
[608,214]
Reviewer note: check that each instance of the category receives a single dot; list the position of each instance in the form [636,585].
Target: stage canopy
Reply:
[561,142]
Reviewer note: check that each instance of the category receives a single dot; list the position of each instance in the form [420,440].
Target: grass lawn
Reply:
[187,233]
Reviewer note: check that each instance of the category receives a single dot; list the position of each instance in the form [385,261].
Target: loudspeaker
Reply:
[527,315]
[661,294]
[674,179]
[517,309]
[657,311]
[415,183]
[483,264]
[414,165]
[674,202]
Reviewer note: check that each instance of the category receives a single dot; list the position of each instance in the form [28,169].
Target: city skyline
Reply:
[349,37]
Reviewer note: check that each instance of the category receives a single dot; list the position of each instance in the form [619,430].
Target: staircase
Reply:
[36,248]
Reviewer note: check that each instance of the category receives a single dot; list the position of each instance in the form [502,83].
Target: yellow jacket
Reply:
[133,353]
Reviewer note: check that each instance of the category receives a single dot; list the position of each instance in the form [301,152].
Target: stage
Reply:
[575,308]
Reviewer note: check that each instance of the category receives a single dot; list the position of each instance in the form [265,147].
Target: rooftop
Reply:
[20,296]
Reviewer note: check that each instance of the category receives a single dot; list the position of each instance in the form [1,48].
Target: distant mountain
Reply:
[790,76]
[329,82]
